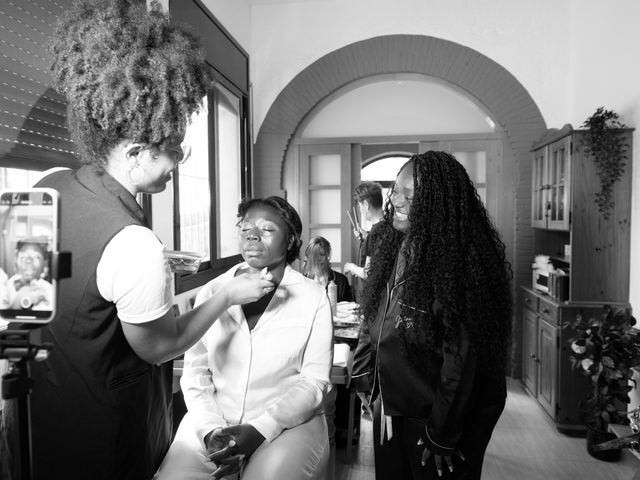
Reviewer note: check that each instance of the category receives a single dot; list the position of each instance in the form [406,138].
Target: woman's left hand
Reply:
[440,460]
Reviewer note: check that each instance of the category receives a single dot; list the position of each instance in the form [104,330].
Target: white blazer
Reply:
[273,377]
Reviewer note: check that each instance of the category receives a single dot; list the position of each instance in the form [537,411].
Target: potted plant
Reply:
[604,143]
[607,349]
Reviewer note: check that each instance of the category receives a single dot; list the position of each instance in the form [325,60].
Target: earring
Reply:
[136,174]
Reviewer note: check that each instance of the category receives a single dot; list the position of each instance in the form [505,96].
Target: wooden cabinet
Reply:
[564,212]
[530,350]
[547,365]
[547,372]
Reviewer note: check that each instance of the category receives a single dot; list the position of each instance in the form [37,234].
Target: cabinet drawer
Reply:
[548,310]
[530,300]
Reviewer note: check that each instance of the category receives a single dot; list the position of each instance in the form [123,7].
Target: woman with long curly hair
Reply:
[433,349]
[101,406]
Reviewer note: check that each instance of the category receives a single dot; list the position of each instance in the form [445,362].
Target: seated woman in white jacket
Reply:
[254,384]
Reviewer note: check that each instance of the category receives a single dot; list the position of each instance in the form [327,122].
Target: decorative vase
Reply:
[596,436]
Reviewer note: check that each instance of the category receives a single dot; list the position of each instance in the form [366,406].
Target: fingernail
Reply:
[439,472]
[423,463]
[450,468]
[232,443]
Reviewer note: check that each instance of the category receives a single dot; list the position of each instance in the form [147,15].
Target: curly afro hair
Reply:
[453,255]
[128,74]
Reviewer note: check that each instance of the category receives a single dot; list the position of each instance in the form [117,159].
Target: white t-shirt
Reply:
[133,273]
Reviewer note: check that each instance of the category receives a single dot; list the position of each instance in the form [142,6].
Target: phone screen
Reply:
[28,238]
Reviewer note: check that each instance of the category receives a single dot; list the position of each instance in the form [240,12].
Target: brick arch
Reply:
[485,80]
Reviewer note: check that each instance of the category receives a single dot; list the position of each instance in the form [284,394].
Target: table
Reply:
[346,324]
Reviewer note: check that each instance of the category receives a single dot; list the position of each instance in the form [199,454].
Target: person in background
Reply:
[28,287]
[255,383]
[368,196]
[317,267]
[433,348]
[101,402]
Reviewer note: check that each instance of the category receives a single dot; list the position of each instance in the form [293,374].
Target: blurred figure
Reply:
[255,383]
[434,344]
[317,266]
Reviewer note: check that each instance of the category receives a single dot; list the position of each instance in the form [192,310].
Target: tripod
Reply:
[15,346]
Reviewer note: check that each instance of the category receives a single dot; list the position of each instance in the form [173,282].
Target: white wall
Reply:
[530,40]
[605,71]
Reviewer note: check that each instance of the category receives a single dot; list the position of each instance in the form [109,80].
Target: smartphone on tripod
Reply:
[29,236]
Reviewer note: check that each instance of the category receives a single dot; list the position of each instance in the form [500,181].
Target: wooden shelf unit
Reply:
[564,212]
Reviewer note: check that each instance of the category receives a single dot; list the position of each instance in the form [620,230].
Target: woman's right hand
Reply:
[348,268]
[218,443]
[248,287]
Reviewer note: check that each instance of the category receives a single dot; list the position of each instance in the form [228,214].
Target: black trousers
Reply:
[400,457]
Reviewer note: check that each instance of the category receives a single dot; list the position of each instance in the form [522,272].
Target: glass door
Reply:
[558,184]
[539,196]
[325,197]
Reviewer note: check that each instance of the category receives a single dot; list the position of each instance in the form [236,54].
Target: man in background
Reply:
[368,196]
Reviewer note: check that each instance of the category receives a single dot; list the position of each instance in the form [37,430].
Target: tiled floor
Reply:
[525,446]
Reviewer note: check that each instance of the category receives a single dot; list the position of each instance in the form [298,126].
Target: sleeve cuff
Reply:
[267,426]
[361,382]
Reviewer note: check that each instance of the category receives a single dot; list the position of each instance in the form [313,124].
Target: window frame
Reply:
[215,266]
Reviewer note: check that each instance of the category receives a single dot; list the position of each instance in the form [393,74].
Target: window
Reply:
[209,186]
[228,169]
[384,171]
[193,198]
[194,194]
